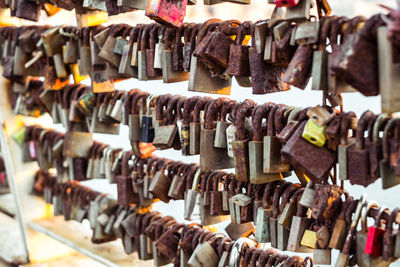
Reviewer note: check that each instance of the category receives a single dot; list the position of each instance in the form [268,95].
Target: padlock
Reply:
[192,196]
[161,182]
[299,70]
[195,125]
[308,196]
[222,125]
[240,145]
[212,158]
[238,64]
[357,155]
[388,67]
[390,239]
[374,243]
[272,147]
[167,132]
[124,183]
[200,79]
[293,151]
[340,227]
[300,223]
[170,14]
[170,75]
[389,178]
[345,143]
[257,176]
[273,221]
[364,259]
[344,256]
[129,54]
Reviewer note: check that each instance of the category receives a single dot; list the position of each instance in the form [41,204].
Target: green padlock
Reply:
[314,133]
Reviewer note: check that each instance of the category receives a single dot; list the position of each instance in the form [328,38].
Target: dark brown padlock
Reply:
[357,51]
[295,148]
[358,155]
[195,125]
[124,183]
[298,72]
[265,78]
[240,145]
[238,64]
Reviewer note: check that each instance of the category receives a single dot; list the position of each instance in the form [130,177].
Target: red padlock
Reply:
[167,12]
[375,236]
[286,3]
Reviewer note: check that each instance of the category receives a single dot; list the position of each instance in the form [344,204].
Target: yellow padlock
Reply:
[309,239]
[314,133]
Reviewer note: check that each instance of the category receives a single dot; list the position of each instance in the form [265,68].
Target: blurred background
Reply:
[46,252]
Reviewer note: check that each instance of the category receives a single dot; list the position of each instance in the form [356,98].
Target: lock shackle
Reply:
[244,111]
[248,254]
[129,98]
[207,26]
[227,109]
[387,134]
[256,255]
[345,126]
[361,127]
[204,178]
[364,214]
[324,30]
[138,97]
[126,156]
[173,168]
[287,194]
[258,191]
[370,128]
[271,127]
[335,31]
[214,186]
[279,120]
[171,110]
[268,193]
[100,150]
[213,111]
[187,31]
[180,106]
[351,208]
[117,95]
[162,102]
[67,94]
[190,176]
[244,29]
[379,126]
[147,219]
[391,220]
[352,26]
[195,240]
[145,36]
[221,245]
[154,36]
[150,164]
[379,217]
[281,258]
[259,113]
[93,149]
[294,200]
[345,205]
[127,31]
[133,34]
[271,259]
[205,236]
[263,259]
[193,36]
[162,225]
[200,105]
[276,197]
[188,107]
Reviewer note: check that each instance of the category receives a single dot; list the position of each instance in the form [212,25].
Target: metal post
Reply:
[12,184]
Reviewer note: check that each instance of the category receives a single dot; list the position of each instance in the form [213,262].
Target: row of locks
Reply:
[152,236]
[263,142]
[339,53]
[315,218]
[168,13]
